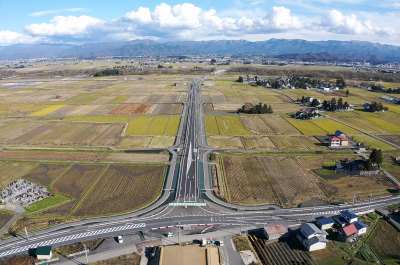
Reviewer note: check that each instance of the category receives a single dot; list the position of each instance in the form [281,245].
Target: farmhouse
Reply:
[325,223]
[311,237]
[44,252]
[348,233]
[276,231]
[334,141]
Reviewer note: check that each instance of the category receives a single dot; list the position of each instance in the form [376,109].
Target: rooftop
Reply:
[276,229]
[349,214]
[350,230]
[43,250]
[360,225]
[325,221]
[310,229]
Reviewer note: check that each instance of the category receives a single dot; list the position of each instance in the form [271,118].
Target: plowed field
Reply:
[130,109]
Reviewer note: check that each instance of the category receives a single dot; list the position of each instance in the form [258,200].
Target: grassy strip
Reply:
[47,203]
[91,188]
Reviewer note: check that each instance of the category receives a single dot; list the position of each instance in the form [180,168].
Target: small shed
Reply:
[348,233]
[361,227]
[325,223]
[276,231]
[361,148]
[44,252]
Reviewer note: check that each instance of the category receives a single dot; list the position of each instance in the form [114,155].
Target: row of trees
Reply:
[333,105]
[374,106]
[257,109]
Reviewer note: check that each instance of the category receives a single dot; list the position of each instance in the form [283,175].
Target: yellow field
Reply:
[47,110]
[229,125]
[331,126]
[211,125]
[371,142]
[173,126]
[395,109]
[306,127]
[113,119]
[158,126]
[388,126]
[139,125]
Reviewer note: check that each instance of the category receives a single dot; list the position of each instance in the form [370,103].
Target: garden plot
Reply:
[225,142]
[246,182]
[144,183]
[307,127]
[292,184]
[288,143]
[168,109]
[135,142]
[255,125]
[75,182]
[279,125]
[45,174]
[130,109]
[154,99]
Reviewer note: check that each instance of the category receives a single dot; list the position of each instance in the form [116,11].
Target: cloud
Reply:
[256,3]
[71,26]
[334,21]
[42,13]
[9,37]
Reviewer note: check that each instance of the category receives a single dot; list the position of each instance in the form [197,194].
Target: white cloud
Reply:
[256,3]
[71,26]
[41,13]
[9,37]
[334,21]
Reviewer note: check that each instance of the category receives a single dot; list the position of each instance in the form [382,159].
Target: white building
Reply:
[312,237]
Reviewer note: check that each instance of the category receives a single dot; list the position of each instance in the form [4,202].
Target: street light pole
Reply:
[87,261]
[179,233]
[241,221]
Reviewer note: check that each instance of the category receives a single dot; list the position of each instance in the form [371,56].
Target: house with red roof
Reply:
[348,233]
[337,141]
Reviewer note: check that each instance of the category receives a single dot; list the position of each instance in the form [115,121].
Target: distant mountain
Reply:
[312,57]
[306,50]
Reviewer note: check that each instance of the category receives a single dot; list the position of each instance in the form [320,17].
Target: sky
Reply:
[78,22]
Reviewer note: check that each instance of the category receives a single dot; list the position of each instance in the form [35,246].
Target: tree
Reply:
[270,109]
[264,109]
[340,103]
[303,100]
[378,158]
[54,191]
[240,79]
[347,92]
[346,105]
[368,165]
[373,155]
[314,102]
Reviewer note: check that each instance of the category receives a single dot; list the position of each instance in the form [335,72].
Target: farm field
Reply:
[228,125]
[363,186]
[162,141]
[379,239]
[144,183]
[288,143]
[154,125]
[75,182]
[292,184]
[44,173]
[279,125]
[256,125]
[167,109]
[246,182]
[130,109]
[47,110]
[392,128]
[331,126]
[307,127]
[371,142]
[225,142]
[363,125]
[10,171]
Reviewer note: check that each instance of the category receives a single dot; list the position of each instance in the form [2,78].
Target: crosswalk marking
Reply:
[68,238]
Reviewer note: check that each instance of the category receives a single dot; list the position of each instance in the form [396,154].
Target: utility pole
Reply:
[354,197]
[369,204]
[26,232]
[87,261]
[179,233]
[241,221]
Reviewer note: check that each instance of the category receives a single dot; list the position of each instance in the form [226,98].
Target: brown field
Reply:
[75,110]
[313,143]
[363,186]
[246,181]
[177,255]
[75,183]
[171,98]
[395,173]
[263,143]
[154,99]
[143,183]
[102,110]
[135,158]
[314,162]
[279,125]
[208,109]
[285,98]
[219,99]
[130,109]
[395,139]
[168,109]
[385,241]
[290,181]
[10,171]
[12,131]
[5,216]
[256,125]
[137,99]
[45,174]
[110,137]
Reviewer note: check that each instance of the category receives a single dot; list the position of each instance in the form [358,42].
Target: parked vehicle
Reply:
[221,243]
[120,240]
[170,234]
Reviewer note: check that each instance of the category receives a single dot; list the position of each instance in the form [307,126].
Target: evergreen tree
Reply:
[347,92]
[303,100]
[373,156]
[340,104]
[378,158]
[346,105]
[270,109]
[368,165]
[264,109]
[240,79]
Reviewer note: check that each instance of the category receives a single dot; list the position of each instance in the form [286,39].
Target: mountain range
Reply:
[277,48]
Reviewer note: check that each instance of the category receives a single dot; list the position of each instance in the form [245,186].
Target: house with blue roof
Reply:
[361,227]
[349,216]
[339,221]
[325,223]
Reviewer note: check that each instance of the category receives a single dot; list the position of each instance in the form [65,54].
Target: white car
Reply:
[170,234]
[120,240]
[221,243]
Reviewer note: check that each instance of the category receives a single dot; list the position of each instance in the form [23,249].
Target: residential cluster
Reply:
[24,192]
